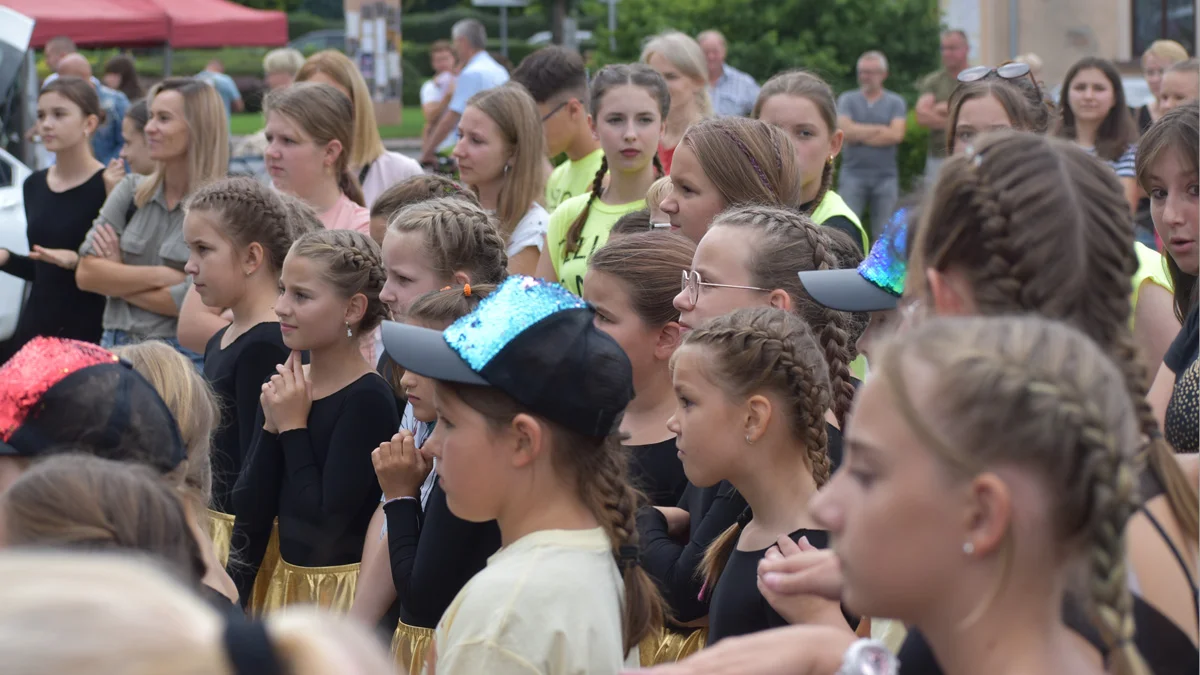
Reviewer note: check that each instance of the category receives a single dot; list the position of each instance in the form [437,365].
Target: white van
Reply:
[15,31]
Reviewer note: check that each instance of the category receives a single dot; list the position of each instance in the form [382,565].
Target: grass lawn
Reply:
[244,124]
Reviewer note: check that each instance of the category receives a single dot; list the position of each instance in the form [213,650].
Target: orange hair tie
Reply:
[467,290]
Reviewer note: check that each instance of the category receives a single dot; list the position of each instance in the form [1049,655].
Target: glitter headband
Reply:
[762,176]
[887,263]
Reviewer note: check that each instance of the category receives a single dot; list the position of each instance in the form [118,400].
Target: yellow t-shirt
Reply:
[571,179]
[600,220]
[1152,268]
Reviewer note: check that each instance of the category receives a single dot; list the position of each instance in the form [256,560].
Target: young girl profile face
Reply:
[694,200]
[61,122]
[1175,209]
[482,152]
[217,272]
[629,125]
[296,163]
[419,389]
[409,275]
[709,426]
[615,315]
[722,257]
[814,141]
[312,314]
[475,460]
[135,152]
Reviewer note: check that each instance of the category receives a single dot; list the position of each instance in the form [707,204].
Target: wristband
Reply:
[397,499]
[869,657]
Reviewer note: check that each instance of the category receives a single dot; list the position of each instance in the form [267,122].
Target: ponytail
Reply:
[349,186]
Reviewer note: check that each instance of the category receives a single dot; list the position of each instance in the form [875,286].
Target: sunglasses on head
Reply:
[1009,71]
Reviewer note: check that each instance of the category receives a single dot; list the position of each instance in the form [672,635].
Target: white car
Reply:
[12,237]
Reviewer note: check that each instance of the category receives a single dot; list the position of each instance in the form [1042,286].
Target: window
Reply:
[1163,20]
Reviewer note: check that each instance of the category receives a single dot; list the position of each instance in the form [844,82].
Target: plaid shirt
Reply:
[734,93]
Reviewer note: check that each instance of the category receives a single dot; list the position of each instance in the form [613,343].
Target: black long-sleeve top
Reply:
[433,555]
[674,566]
[236,374]
[56,307]
[655,469]
[319,481]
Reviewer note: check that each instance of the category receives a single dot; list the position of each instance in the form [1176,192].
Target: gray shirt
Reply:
[868,160]
[153,236]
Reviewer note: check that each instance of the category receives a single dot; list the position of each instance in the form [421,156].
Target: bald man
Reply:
[107,141]
[732,91]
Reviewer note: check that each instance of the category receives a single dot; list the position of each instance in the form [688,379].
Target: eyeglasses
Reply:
[1009,71]
[554,112]
[692,284]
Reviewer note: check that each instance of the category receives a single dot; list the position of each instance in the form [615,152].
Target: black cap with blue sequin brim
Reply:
[536,342]
[878,282]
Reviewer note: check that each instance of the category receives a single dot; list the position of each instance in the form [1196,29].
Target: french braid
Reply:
[459,237]
[762,349]
[353,265]
[247,212]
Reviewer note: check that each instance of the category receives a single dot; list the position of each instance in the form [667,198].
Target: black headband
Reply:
[249,649]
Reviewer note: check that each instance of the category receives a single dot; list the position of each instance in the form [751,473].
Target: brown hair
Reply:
[599,467]
[1177,131]
[87,503]
[520,125]
[459,236]
[1071,258]
[634,222]
[249,212]
[418,189]
[302,219]
[1118,131]
[325,115]
[610,77]
[208,136]
[191,401]
[789,242]
[444,307]
[1038,394]
[353,265]
[748,161]
[123,66]
[807,85]
[849,255]
[758,349]
[366,146]
[81,93]
[648,265]
[1023,114]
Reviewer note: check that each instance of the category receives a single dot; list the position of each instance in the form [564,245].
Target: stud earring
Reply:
[506,169]
[968,548]
[749,441]
[349,333]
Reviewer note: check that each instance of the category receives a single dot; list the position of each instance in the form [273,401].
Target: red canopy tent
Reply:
[95,22]
[217,23]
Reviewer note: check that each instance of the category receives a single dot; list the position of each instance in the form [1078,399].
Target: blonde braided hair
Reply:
[1039,395]
[353,265]
[459,236]
[758,349]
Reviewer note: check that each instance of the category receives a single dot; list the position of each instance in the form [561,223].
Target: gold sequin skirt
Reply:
[330,588]
[673,645]
[266,570]
[410,646]
[220,530]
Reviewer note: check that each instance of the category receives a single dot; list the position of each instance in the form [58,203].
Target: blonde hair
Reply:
[685,54]
[758,349]
[520,125]
[353,265]
[189,398]
[150,624]
[458,235]
[748,161]
[658,192]
[367,145]
[208,137]
[283,60]
[1167,50]
[1037,394]
[326,116]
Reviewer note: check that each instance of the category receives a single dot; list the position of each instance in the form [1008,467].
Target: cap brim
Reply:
[846,291]
[425,352]
[7,450]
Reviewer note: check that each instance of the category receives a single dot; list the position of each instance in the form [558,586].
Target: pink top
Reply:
[346,215]
[387,170]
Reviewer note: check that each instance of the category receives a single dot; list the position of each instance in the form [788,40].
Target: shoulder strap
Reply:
[1178,557]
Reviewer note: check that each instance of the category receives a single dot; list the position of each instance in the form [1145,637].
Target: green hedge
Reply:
[910,155]
[425,27]
[239,61]
[303,22]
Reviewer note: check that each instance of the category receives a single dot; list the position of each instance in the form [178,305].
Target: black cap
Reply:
[74,396]
[534,341]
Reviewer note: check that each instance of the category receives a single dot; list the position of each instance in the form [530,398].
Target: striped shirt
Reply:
[734,93]
[1123,166]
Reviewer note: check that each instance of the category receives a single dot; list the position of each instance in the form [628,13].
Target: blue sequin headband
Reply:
[887,263]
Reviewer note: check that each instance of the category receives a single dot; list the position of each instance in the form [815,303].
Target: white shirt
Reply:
[387,170]
[546,604]
[433,91]
[480,74]
[531,231]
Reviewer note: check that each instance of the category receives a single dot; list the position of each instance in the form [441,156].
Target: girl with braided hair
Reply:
[309,463]
[725,162]
[1006,446]
[802,104]
[752,388]
[629,104]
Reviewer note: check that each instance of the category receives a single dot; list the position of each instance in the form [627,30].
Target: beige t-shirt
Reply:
[549,603]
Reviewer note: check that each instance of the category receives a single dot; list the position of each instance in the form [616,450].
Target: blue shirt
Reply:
[225,87]
[480,74]
[108,141]
[734,93]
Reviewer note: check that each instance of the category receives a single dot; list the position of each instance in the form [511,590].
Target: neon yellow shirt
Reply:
[601,218]
[1152,268]
[570,179]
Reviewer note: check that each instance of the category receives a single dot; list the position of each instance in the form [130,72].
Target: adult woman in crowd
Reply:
[135,252]
[120,74]
[680,61]
[1158,57]
[500,154]
[1092,113]
[60,204]
[375,166]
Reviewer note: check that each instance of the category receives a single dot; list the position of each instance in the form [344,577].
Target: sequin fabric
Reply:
[887,263]
[517,304]
[31,372]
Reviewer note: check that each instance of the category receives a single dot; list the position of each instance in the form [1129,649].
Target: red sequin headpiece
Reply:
[31,372]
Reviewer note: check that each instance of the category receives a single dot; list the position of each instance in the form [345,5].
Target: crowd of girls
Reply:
[665,452]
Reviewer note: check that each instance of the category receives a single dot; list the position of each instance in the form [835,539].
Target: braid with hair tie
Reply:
[576,229]
[826,184]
